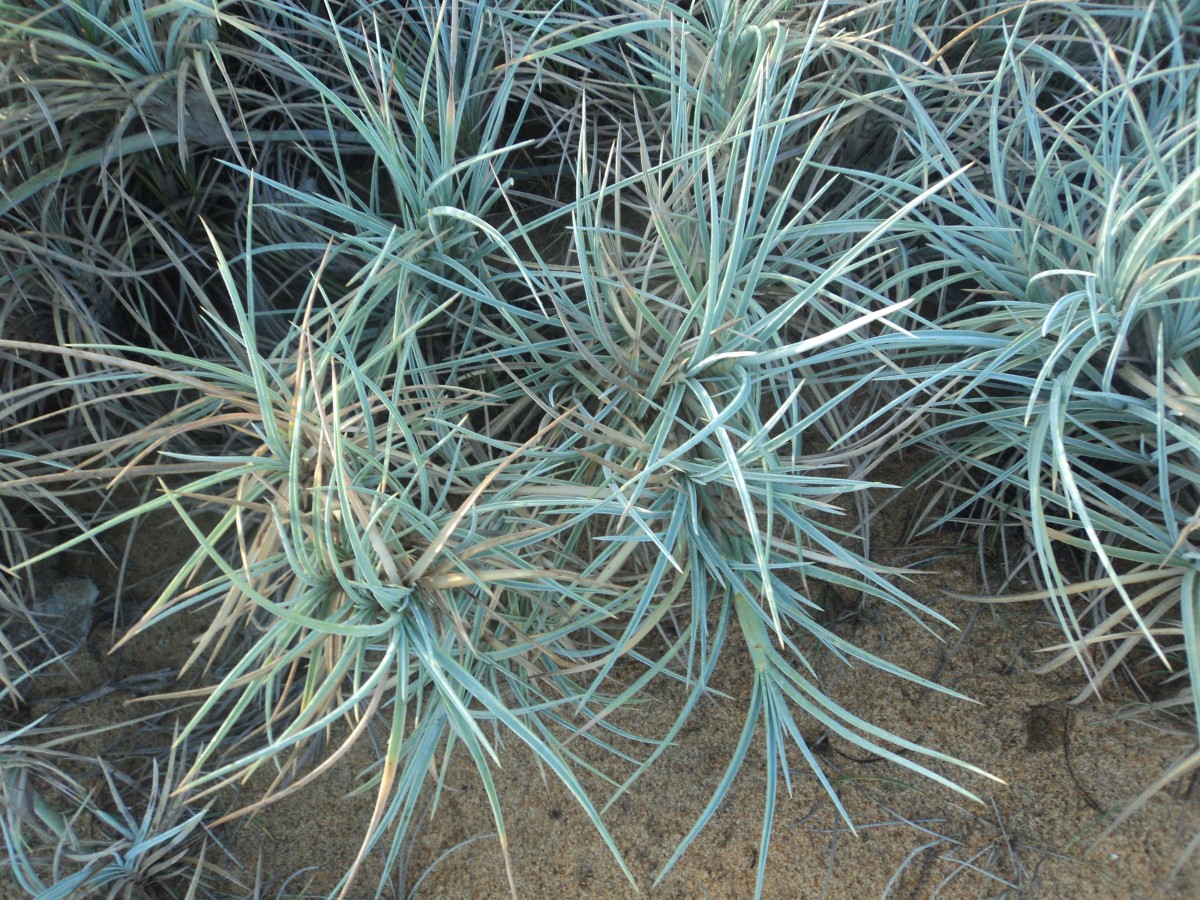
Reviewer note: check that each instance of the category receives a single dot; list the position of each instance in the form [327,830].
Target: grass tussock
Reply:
[504,358]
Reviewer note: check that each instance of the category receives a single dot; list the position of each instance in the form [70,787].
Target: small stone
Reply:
[65,615]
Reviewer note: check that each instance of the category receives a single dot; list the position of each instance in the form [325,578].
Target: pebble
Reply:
[65,613]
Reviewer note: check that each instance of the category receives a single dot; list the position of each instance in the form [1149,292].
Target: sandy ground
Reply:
[1066,771]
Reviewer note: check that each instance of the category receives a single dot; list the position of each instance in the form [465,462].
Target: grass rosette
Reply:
[1070,399]
[671,371]
[1064,350]
[133,836]
[364,564]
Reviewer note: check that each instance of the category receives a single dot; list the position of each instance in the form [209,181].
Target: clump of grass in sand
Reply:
[477,344]
[134,838]
[462,478]
[1064,347]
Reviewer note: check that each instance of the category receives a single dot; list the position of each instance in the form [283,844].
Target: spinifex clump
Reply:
[535,332]
[680,348]
[1069,365]
[456,481]
[134,838]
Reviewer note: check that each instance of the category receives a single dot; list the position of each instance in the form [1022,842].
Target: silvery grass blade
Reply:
[30,821]
[1071,322]
[84,268]
[374,203]
[118,113]
[220,114]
